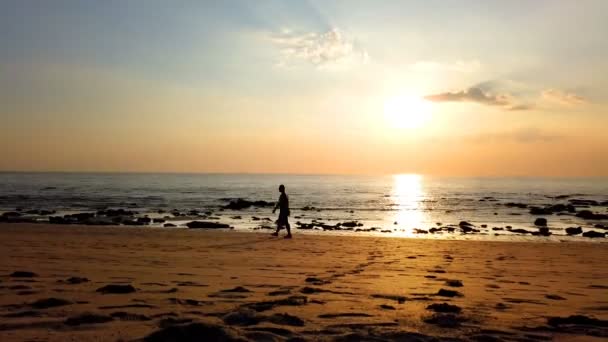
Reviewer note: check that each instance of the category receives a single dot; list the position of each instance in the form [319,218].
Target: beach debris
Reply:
[169,225]
[540,222]
[206,225]
[116,289]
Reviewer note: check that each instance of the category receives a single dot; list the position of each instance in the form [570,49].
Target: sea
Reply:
[406,205]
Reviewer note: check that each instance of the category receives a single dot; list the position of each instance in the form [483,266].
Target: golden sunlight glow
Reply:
[407,112]
[407,196]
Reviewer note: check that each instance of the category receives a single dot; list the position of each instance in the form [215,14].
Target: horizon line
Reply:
[286,174]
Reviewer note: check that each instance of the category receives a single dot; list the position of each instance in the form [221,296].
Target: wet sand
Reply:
[180,284]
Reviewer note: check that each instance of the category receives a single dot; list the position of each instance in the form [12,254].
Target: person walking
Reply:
[283,206]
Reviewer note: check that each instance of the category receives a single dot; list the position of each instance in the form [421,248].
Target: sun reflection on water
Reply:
[407,198]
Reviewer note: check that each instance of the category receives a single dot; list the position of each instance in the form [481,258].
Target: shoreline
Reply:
[475,237]
[313,287]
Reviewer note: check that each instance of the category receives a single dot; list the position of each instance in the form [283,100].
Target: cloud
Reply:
[458,66]
[511,96]
[564,98]
[522,136]
[476,95]
[330,49]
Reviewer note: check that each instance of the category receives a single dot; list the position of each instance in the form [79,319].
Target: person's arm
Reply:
[276,206]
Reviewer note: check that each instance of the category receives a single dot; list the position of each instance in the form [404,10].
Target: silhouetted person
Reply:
[283,206]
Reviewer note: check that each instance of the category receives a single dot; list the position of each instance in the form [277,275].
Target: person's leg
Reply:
[276,233]
[288,229]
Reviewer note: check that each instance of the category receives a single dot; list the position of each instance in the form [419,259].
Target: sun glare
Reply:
[407,112]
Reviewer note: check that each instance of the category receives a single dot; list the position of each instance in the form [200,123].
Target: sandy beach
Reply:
[60,283]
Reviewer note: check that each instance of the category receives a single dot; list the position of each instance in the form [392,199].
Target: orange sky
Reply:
[305,87]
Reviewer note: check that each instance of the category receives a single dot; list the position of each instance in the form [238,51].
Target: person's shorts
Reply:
[283,221]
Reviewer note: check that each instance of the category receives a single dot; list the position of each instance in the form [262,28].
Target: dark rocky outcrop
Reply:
[582,202]
[448,293]
[116,212]
[23,274]
[589,215]
[240,203]
[116,289]
[195,332]
[542,231]
[285,319]
[519,231]
[576,320]
[351,224]
[516,205]
[49,303]
[207,225]
[574,230]
[76,280]
[144,220]
[453,283]
[444,320]
[444,308]
[88,318]
[242,317]
[594,234]
[540,222]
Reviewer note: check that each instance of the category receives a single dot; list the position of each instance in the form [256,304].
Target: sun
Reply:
[407,112]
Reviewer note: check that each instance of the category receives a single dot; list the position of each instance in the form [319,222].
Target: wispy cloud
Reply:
[511,96]
[561,97]
[476,95]
[331,49]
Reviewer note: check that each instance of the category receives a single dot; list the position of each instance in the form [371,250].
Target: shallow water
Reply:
[399,203]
